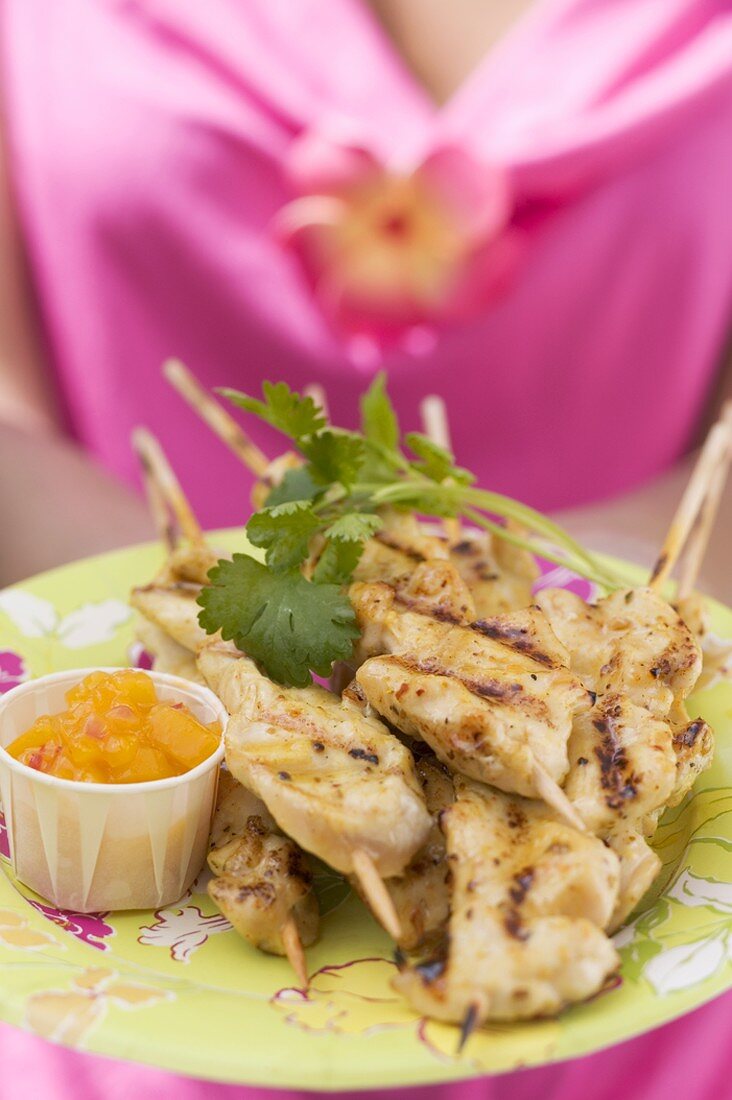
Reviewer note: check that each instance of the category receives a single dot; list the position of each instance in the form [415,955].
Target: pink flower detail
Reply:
[387,252]
[13,670]
[91,928]
[4,842]
[138,657]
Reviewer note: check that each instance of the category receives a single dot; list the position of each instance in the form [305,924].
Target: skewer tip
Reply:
[468,1026]
[555,797]
[376,893]
[294,950]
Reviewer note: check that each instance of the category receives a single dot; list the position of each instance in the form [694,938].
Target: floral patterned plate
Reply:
[176,988]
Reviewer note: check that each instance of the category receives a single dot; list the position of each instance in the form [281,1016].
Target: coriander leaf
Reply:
[378,419]
[337,562]
[281,620]
[284,409]
[297,484]
[286,531]
[436,463]
[334,457]
[354,527]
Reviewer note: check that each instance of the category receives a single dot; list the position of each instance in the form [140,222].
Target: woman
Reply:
[523,206]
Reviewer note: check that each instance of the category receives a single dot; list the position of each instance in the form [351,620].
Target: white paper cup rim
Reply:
[76,675]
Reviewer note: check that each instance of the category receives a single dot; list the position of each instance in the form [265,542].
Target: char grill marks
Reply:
[634,644]
[500,576]
[346,774]
[492,699]
[529,897]
[261,878]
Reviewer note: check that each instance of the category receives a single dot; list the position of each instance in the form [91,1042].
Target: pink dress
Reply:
[184,172]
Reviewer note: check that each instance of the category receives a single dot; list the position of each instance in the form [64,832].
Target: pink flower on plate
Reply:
[13,670]
[387,251]
[91,928]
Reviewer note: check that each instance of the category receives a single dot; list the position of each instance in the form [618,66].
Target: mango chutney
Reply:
[116,731]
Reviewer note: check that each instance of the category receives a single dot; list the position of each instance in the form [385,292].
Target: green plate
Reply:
[176,988]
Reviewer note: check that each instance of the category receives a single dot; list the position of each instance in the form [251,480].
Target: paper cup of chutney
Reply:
[98,846]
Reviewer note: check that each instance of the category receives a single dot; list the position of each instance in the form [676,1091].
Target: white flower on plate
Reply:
[694,891]
[183,930]
[88,625]
[688,964]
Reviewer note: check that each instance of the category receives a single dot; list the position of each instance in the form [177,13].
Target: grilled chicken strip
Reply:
[622,766]
[262,878]
[500,576]
[634,643]
[173,609]
[333,779]
[716,652]
[492,699]
[168,655]
[529,897]
[639,866]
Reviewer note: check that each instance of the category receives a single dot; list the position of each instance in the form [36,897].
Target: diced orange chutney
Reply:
[116,731]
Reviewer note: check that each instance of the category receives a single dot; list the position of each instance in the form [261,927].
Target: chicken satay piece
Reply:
[168,655]
[190,563]
[529,898]
[434,588]
[639,866]
[173,608]
[631,641]
[622,766]
[334,780]
[634,643]
[421,895]
[716,652]
[263,881]
[494,700]
[694,748]
[500,576]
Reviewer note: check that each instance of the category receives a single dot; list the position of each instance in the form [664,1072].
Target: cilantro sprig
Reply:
[294,617]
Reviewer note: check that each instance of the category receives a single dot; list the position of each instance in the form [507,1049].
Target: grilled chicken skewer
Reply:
[634,644]
[638,751]
[333,779]
[494,700]
[263,881]
[530,896]
[263,884]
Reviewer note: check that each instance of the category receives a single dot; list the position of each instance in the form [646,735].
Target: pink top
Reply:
[552,250]
[152,143]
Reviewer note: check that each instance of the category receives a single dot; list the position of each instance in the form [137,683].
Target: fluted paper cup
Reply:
[93,847]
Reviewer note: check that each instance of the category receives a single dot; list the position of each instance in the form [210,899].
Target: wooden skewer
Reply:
[714,453]
[555,797]
[162,519]
[316,391]
[376,893]
[698,540]
[294,950]
[433,413]
[216,416]
[158,472]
